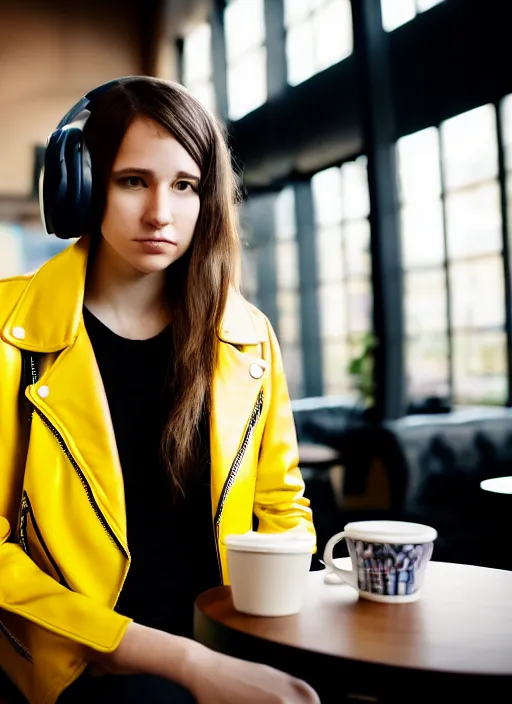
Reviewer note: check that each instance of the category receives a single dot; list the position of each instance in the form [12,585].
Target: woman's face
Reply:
[152,202]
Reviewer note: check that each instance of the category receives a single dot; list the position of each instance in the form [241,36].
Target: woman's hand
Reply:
[211,677]
[220,679]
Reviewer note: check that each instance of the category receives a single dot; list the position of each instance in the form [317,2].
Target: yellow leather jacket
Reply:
[63,546]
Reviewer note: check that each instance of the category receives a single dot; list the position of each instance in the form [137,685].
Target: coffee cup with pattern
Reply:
[389,559]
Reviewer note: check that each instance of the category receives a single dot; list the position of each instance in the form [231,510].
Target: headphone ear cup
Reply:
[67,184]
[53,181]
[77,200]
[84,202]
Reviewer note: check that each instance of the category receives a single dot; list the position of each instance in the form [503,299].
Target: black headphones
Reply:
[65,184]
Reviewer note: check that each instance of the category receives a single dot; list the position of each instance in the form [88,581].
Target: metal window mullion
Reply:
[449,326]
[219,58]
[344,275]
[502,179]
[274,41]
[309,289]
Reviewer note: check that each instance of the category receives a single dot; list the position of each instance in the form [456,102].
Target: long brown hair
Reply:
[198,283]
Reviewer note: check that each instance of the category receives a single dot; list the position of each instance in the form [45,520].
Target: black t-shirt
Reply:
[171,543]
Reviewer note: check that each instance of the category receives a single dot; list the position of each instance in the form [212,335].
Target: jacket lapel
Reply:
[76,405]
[235,390]
[48,319]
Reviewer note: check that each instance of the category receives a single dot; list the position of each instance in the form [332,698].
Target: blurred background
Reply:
[374,139]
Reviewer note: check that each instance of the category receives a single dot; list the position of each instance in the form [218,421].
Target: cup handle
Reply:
[348,576]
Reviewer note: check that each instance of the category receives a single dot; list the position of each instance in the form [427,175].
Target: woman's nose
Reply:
[159,211]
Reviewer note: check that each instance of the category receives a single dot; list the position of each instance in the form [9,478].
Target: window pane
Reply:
[359,300]
[424,5]
[316,4]
[287,264]
[292,361]
[204,92]
[396,12]
[11,250]
[288,307]
[197,59]
[477,293]
[285,214]
[509,205]
[335,359]
[332,311]
[427,366]
[329,254]
[473,221]
[295,10]
[422,235]
[425,302]
[250,273]
[326,187]
[470,147]
[300,53]
[479,368]
[356,235]
[354,186]
[506,113]
[332,27]
[419,173]
[247,84]
[244,23]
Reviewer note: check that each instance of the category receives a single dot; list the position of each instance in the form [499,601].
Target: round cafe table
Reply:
[454,644]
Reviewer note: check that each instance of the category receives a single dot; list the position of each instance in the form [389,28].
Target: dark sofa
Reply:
[433,463]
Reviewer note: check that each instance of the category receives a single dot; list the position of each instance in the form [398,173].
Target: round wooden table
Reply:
[314,456]
[458,635]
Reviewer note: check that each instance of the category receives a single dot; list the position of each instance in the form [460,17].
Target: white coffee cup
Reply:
[389,559]
[269,571]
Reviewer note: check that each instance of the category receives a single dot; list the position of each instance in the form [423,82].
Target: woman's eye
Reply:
[132,182]
[184,186]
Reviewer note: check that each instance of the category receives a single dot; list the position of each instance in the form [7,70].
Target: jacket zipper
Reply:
[26,509]
[87,488]
[23,525]
[18,647]
[83,480]
[233,471]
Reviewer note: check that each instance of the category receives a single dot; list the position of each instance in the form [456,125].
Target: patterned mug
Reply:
[389,559]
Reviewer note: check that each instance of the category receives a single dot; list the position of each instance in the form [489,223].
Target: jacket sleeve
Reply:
[28,592]
[279,503]
[25,590]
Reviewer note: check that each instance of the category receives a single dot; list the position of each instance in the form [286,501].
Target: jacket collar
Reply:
[48,314]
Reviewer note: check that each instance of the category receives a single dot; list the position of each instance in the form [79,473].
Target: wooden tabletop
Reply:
[314,455]
[461,624]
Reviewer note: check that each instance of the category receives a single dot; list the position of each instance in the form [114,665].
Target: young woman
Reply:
[140,398]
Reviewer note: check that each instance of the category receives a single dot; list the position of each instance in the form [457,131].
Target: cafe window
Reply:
[506,119]
[341,202]
[452,260]
[395,13]
[288,290]
[244,23]
[318,35]
[197,65]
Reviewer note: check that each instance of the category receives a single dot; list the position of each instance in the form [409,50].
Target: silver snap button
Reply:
[43,391]
[18,332]
[256,371]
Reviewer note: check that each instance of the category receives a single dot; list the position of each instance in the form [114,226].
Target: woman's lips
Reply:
[152,246]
